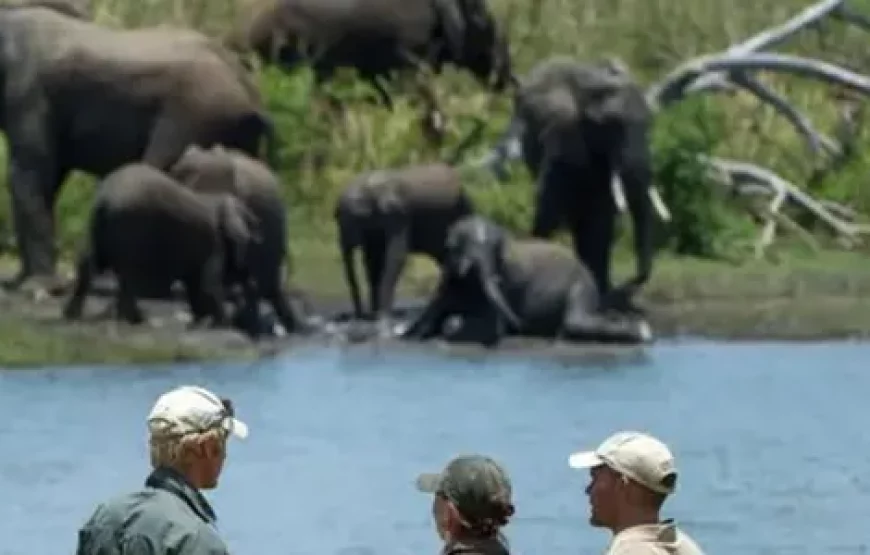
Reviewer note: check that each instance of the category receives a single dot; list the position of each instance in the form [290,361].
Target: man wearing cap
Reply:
[472,502]
[632,474]
[188,431]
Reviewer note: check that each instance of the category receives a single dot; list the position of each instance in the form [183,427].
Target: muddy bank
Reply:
[33,332]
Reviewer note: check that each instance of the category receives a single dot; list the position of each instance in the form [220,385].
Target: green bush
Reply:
[322,147]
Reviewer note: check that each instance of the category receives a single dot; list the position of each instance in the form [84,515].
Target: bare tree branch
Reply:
[770,38]
[804,126]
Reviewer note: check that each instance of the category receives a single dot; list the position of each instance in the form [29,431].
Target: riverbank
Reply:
[824,297]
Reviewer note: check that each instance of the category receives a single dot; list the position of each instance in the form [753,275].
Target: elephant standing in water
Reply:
[584,132]
[148,229]
[81,96]
[492,286]
[221,170]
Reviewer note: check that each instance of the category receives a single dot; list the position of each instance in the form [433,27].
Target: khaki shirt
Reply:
[653,539]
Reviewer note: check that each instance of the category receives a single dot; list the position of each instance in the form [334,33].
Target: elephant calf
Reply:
[492,285]
[148,229]
[390,214]
[224,170]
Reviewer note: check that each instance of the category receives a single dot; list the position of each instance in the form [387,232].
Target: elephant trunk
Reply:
[494,294]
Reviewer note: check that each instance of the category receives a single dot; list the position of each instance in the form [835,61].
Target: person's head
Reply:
[188,429]
[632,474]
[472,498]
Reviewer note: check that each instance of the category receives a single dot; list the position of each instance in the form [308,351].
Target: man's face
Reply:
[605,490]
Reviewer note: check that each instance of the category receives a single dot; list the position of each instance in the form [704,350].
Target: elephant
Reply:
[392,213]
[493,285]
[72,8]
[223,170]
[584,133]
[146,228]
[79,96]
[378,37]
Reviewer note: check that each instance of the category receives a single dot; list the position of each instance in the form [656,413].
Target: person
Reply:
[188,432]
[632,474]
[471,505]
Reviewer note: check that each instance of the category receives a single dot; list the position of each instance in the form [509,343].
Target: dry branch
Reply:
[706,74]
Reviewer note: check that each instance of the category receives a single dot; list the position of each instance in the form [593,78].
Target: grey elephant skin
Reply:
[79,96]
[389,214]
[377,37]
[494,285]
[221,170]
[581,126]
[148,229]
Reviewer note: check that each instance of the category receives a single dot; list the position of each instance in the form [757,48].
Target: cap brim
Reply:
[428,482]
[584,459]
[238,428]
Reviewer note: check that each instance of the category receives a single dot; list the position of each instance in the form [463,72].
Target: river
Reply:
[772,439]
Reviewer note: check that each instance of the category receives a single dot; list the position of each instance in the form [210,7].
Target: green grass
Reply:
[706,252]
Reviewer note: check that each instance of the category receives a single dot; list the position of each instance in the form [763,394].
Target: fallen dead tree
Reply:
[732,69]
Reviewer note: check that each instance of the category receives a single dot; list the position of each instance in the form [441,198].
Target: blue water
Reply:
[773,443]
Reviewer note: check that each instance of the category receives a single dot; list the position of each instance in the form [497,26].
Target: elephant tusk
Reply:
[618,193]
[659,204]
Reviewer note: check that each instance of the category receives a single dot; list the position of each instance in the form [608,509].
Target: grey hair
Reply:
[173,450]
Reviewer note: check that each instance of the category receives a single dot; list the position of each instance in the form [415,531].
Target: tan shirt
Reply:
[653,539]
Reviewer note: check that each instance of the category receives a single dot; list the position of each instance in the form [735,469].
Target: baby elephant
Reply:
[149,230]
[393,213]
[223,170]
[492,286]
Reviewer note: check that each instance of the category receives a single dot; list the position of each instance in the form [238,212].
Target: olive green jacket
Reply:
[168,516]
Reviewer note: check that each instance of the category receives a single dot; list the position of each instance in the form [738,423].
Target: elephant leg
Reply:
[83,280]
[549,203]
[584,323]
[430,321]
[34,180]
[348,245]
[593,232]
[396,257]
[373,260]
[212,290]
[195,301]
[127,307]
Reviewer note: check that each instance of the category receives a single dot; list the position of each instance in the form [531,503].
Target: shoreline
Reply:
[33,334]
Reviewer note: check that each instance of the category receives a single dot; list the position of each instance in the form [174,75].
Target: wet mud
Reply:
[168,335]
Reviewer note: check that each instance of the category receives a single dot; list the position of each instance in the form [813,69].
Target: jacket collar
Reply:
[172,481]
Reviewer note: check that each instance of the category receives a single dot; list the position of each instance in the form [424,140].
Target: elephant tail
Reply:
[472,137]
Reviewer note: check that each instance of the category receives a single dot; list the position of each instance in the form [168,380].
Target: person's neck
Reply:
[636,518]
[189,475]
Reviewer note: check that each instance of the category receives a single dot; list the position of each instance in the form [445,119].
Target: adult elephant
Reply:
[584,131]
[389,214]
[148,229]
[222,170]
[78,96]
[493,285]
[378,37]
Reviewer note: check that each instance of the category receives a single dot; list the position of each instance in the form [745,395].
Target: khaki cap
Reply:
[190,409]
[637,455]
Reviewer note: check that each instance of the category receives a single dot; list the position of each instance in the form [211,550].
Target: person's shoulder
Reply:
[674,541]
[687,545]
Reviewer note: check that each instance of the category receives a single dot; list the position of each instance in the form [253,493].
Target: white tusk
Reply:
[618,194]
[659,204]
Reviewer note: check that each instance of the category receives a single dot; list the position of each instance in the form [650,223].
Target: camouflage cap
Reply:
[477,485]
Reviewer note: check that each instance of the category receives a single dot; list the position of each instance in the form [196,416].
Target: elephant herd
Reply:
[173,125]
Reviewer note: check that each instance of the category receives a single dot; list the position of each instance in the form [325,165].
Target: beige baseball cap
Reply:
[190,409]
[637,455]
